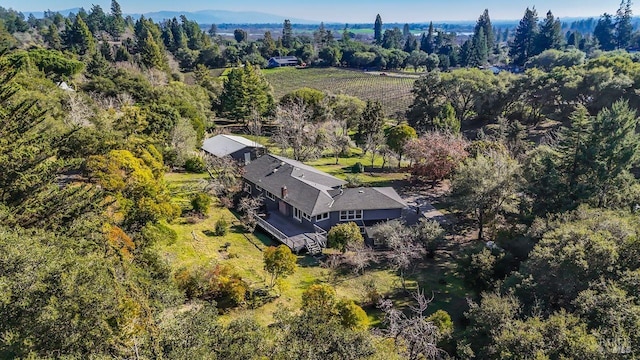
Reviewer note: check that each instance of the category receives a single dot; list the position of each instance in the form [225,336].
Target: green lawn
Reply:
[393,92]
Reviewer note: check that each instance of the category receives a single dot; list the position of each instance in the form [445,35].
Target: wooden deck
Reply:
[296,236]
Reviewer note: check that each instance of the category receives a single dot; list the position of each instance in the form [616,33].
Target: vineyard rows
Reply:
[393,92]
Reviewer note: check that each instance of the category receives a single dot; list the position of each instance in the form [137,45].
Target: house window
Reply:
[247,188]
[363,230]
[258,188]
[350,215]
[306,217]
[270,196]
[297,214]
[322,217]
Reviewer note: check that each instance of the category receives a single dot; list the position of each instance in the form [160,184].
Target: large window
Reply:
[297,214]
[350,215]
[322,217]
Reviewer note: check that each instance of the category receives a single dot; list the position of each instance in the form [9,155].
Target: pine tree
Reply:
[550,36]
[80,38]
[116,21]
[604,33]
[287,35]
[623,27]
[377,30]
[523,45]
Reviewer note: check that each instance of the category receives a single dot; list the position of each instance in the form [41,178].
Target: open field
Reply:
[393,92]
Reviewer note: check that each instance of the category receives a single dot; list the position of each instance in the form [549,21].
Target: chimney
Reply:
[285,192]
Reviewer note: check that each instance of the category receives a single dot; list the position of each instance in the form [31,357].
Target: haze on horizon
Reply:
[356,11]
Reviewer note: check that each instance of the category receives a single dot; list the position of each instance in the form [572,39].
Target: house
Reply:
[239,148]
[278,61]
[302,203]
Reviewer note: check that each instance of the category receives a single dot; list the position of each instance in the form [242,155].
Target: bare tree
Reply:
[372,145]
[225,178]
[414,335]
[359,257]
[250,208]
[401,240]
[297,132]
[337,138]
[79,111]
[183,140]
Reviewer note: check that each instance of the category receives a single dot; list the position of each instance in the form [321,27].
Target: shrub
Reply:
[221,283]
[343,235]
[357,168]
[195,164]
[201,203]
[221,227]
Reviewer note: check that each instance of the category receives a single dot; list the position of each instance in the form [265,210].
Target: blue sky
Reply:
[349,11]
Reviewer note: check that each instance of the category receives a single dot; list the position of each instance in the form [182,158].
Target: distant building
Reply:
[239,148]
[278,61]
[64,86]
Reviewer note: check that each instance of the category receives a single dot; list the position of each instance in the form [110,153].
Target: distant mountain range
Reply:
[205,16]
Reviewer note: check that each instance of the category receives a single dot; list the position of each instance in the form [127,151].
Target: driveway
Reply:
[420,208]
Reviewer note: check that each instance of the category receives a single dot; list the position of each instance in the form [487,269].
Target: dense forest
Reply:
[539,161]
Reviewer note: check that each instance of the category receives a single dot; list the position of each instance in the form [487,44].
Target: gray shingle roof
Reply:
[368,199]
[225,145]
[313,191]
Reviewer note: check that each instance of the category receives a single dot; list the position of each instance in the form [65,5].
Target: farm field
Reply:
[393,92]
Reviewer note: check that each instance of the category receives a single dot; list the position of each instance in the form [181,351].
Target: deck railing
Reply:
[274,231]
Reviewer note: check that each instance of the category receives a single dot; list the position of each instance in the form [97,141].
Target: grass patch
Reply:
[393,92]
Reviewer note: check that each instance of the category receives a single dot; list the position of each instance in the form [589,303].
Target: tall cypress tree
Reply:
[523,45]
[287,34]
[427,43]
[377,30]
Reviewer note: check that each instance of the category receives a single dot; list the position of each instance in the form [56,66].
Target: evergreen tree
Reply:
[523,45]
[244,91]
[410,44]
[427,43]
[465,53]
[150,52]
[623,27]
[377,30]
[97,19]
[484,23]
[80,39]
[52,37]
[604,33]
[479,50]
[116,21]
[287,35]
[406,31]
[105,49]
[213,30]
[550,36]
[179,37]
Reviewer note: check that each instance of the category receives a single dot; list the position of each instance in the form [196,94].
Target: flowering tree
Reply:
[435,155]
